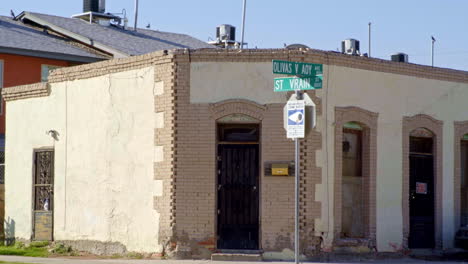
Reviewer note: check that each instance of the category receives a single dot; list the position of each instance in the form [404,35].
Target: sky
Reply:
[397,25]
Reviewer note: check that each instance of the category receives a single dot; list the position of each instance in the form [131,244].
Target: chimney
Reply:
[97,6]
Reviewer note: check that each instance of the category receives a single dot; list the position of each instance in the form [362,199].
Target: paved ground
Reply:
[131,261]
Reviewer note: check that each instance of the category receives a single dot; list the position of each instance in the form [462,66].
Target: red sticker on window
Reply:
[421,188]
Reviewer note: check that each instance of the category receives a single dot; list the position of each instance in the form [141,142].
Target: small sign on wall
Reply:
[279,168]
[421,188]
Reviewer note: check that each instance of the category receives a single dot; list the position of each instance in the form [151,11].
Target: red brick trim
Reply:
[461,129]
[436,127]
[368,119]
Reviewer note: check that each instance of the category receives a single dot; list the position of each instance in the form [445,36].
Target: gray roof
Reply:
[126,42]
[17,38]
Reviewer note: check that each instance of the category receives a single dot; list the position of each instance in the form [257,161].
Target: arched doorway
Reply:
[464,181]
[238,164]
[421,189]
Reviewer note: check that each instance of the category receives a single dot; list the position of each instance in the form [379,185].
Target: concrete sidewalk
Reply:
[134,261]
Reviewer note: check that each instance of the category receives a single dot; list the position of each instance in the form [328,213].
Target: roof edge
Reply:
[72,35]
[50,55]
[327,58]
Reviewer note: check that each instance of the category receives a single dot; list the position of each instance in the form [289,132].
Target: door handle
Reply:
[412,195]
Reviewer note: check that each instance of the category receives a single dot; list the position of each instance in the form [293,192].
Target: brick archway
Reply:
[239,106]
[461,129]
[368,120]
[436,127]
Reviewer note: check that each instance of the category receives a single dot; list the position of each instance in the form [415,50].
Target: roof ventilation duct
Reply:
[399,57]
[226,32]
[98,6]
[350,47]
[225,37]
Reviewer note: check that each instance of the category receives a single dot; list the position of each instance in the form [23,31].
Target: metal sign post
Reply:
[299,115]
[296,192]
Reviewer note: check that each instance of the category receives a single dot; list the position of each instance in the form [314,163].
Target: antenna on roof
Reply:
[432,50]
[370,39]
[148,26]
[12,14]
[136,15]
[243,24]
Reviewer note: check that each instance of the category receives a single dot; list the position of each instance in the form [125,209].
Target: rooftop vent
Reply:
[350,47]
[225,37]
[399,57]
[296,46]
[98,6]
[226,32]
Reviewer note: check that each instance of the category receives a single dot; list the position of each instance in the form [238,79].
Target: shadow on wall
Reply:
[9,231]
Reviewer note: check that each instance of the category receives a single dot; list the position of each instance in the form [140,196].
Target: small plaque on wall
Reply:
[279,168]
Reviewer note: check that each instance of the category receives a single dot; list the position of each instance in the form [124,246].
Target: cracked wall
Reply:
[104,177]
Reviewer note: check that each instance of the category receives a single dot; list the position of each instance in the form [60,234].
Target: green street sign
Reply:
[297,68]
[294,83]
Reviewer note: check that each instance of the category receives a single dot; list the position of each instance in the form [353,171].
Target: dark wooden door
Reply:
[421,201]
[238,196]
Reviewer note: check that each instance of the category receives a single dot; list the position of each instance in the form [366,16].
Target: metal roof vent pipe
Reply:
[98,6]
[399,57]
[350,47]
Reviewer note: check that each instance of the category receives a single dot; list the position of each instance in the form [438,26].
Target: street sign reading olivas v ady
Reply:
[297,68]
[308,76]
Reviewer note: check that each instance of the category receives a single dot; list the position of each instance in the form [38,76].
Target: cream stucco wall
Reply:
[391,95]
[104,185]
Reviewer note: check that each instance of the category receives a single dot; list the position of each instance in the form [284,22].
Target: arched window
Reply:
[355,175]
[352,217]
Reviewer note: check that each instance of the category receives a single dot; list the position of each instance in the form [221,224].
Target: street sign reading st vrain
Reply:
[295,113]
[309,76]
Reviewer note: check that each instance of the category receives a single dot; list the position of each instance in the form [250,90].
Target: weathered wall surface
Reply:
[391,95]
[104,174]
[208,91]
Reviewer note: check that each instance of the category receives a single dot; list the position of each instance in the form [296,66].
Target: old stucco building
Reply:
[171,152]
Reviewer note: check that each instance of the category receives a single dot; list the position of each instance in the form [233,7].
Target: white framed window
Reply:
[45,71]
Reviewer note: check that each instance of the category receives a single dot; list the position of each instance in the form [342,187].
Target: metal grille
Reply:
[43,181]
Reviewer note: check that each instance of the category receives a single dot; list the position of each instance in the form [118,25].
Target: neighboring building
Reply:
[26,56]
[171,152]
[32,44]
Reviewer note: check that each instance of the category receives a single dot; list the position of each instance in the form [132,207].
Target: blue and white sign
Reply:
[296,117]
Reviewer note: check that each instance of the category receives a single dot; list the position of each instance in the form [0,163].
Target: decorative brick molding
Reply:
[249,55]
[436,127]
[461,129]
[328,58]
[26,91]
[237,106]
[164,141]
[369,120]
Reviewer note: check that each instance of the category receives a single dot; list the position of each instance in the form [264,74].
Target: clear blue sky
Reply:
[397,25]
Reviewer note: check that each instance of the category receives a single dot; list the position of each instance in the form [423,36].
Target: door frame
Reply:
[33,191]
[259,143]
[436,127]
